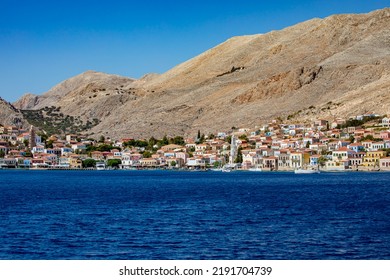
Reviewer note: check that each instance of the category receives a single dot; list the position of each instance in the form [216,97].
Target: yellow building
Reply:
[371,159]
[75,162]
[299,159]
[149,162]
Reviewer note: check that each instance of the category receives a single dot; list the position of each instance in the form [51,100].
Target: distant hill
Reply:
[333,67]
[9,115]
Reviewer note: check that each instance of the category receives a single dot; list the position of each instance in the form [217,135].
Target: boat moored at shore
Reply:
[306,171]
[100,165]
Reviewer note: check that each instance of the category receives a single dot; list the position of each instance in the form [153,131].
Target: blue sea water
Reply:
[193,215]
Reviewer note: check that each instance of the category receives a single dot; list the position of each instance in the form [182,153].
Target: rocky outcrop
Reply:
[27,101]
[9,115]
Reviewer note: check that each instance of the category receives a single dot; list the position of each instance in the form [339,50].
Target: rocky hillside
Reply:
[9,115]
[337,66]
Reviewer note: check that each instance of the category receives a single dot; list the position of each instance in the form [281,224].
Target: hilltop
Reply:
[333,67]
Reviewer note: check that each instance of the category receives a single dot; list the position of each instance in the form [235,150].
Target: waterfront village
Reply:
[361,143]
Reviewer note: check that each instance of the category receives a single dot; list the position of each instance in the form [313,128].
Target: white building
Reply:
[385,122]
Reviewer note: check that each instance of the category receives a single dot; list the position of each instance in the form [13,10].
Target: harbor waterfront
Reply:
[193,215]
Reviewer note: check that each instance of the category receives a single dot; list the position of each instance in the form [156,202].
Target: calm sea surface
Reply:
[193,215]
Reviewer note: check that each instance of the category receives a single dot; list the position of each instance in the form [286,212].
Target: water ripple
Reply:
[184,215]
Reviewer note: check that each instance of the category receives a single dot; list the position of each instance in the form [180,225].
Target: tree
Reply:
[141,143]
[89,162]
[177,140]
[104,148]
[239,156]
[201,139]
[43,137]
[146,154]
[387,151]
[152,141]
[165,140]
[243,137]
[228,139]
[173,163]
[322,160]
[102,139]
[28,154]
[370,137]
[49,144]
[2,153]
[114,162]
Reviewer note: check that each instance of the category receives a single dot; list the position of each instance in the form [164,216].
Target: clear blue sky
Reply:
[45,42]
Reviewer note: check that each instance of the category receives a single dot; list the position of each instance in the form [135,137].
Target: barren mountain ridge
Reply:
[322,68]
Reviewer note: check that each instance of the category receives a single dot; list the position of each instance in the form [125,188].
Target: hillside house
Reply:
[385,122]
[384,164]
[270,163]
[356,147]
[371,159]
[299,159]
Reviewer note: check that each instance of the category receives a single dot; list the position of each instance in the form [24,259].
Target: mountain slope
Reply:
[9,115]
[341,60]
